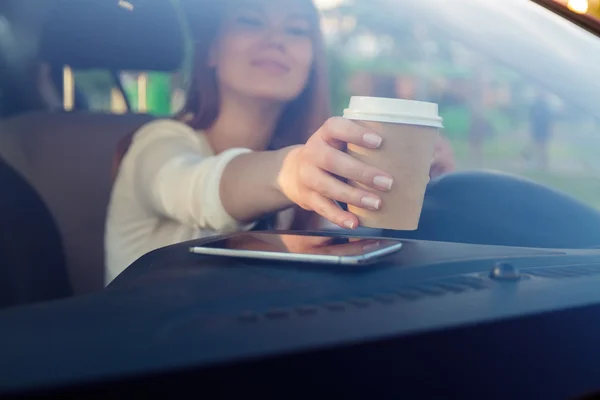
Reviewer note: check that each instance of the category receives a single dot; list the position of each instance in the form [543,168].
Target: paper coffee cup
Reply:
[409,130]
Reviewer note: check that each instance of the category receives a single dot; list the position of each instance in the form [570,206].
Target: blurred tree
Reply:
[412,48]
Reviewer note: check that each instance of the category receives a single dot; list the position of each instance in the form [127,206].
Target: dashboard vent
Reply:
[567,271]
[405,293]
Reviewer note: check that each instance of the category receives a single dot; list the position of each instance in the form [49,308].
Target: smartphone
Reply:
[324,248]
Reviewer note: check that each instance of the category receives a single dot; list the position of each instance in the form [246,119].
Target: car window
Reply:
[515,88]
[156,93]
[499,113]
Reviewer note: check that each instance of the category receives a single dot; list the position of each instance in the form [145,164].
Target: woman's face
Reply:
[265,50]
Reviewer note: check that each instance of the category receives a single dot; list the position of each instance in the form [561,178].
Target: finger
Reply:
[328,210]
[435,172]
[338,131]
[334,189]
[444,155]
[348,167]
[440,166]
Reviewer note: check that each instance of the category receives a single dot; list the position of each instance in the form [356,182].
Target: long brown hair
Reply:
[301,117]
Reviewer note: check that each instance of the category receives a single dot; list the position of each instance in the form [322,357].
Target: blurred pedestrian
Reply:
[541,123]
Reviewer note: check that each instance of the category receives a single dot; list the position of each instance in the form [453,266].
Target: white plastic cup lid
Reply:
[395,111]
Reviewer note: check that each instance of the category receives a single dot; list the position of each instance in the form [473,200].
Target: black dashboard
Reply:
[436,320]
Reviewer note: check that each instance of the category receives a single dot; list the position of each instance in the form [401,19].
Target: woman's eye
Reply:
[298,31]
[249,21]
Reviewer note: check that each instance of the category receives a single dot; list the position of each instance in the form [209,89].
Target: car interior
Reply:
[67,156]
[174,320]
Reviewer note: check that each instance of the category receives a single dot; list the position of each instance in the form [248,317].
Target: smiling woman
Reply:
[252,141]
[266,73]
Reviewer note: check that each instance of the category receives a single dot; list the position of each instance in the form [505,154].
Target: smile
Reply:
[271,66]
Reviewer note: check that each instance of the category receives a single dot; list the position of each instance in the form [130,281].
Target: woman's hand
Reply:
[443,159]
[310,173]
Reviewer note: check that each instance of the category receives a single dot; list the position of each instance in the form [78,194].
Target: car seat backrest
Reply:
[67,157]
[32,261]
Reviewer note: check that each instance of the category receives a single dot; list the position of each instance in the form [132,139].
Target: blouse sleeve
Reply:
[176,179]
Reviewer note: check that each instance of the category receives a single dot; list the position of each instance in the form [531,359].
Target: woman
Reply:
[254,140]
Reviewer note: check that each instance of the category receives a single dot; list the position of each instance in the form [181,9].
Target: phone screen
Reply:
[302,244]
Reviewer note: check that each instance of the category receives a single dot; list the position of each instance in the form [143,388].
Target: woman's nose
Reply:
[275,38]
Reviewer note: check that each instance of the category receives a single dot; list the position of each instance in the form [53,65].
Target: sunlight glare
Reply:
[578,6]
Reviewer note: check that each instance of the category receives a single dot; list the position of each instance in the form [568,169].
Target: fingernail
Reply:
[371,202]
[383,182]
[349,224]
[372,139]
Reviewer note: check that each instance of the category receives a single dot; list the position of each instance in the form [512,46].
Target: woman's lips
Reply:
[271,66]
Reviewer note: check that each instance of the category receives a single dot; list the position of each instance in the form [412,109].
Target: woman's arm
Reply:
[176,177]
[222,192]
[249,185]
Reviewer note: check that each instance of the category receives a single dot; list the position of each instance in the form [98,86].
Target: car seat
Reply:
[67,156]
[32,262]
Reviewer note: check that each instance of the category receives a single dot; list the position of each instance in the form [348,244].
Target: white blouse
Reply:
[167,192]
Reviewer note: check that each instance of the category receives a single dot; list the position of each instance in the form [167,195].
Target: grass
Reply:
[586,189]
[574,169]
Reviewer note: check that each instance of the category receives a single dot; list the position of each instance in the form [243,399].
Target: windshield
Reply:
[516,84]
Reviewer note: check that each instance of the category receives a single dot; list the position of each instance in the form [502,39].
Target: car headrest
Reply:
[114,34]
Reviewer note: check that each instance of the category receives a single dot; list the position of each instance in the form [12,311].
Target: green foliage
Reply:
[96,86]
[93,81]
[457,121]
[159,93]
